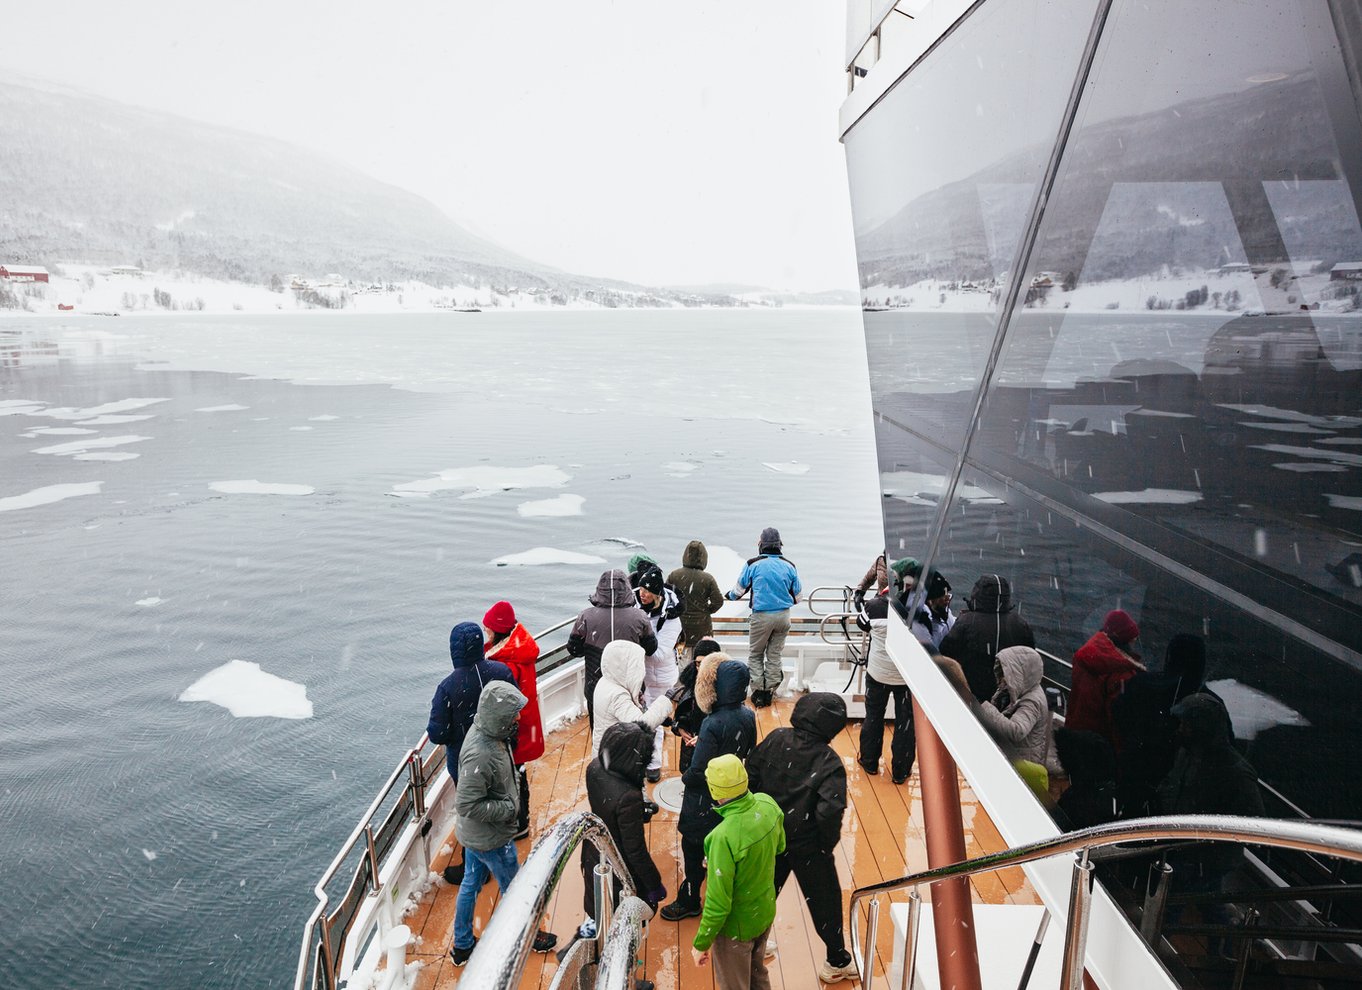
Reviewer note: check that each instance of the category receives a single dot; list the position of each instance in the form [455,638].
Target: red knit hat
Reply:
[500,618]
[1120,627]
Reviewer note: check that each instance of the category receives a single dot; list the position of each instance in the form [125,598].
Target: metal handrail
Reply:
[1325,840]
[844,641]
[621,953]
[828,592]
[501,952]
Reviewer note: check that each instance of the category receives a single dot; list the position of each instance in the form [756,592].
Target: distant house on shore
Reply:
[129,270]
[18,273]
[1346,271]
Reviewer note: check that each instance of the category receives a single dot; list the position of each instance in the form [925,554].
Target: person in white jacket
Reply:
[619,692]
[662,604]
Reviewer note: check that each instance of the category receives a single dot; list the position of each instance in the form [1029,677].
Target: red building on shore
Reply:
[20,273]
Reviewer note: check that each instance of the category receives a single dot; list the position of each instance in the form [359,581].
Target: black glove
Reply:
[859,599]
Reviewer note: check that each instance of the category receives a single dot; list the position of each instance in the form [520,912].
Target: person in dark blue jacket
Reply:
[729,727]
[456,701]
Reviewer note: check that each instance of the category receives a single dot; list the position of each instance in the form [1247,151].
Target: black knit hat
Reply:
[937,585]
[651,579]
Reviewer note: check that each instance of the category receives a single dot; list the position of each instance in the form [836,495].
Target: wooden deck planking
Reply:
[882,839]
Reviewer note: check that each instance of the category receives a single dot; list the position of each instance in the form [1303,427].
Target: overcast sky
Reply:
[672,143]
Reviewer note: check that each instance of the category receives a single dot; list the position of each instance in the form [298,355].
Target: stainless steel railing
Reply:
[502,950]
[1323,840]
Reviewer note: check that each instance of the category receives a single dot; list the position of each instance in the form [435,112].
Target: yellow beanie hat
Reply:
[726,776]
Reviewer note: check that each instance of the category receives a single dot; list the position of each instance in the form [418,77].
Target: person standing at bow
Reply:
[774,583]
[511,643]
[700,594]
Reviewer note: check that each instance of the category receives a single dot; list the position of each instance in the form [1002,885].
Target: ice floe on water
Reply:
[726,564]
[247,691]
[300,429]
[1252,710]
[563,505]
[484,480]
[149,602]
[60,431]
[48,495]
[1149,496]
[229,407]
[787,467]
[108,408]
[81,446]
[112,455]
[540,556]
[113,420]
[19,407]
[1345,501]
[680,469]
[253,487]
[150,854]
[324,418]
[618,543]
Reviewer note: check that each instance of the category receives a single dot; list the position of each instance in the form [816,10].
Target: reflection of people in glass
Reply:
[988,625]
[1088,759]
[1018,715]
[1102,665]
[934,618]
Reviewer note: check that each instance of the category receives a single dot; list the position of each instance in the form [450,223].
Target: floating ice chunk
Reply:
[253,487]
[546,555]
[1253,710]
[113,455]
[486,480]
[149,602]
[150,854]
[563,505]
[113,420]
[247,691]
[787,467]
[726,564]
[81,446]
[19,407]
[121,406]
[680,469]
[61,431]
[229,407]
[48,495]
[1310,468]
[300,429]
[1149,496]
[1345,501]
[324,418]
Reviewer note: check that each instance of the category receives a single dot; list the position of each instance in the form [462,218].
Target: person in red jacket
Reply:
[512,644]
[1102,666]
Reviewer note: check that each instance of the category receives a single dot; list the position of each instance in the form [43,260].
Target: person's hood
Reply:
[1100,655]
[613,591]
[991,593]
[626,749]
[465,644]
[515,643]
[640,562]
[623,663]
[498,706]
[1206,722]
[1022,670]
[1086,756]
[705,680]
[695,555]
[730,683]
[821,714]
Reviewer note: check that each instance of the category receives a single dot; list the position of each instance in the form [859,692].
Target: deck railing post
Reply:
[872,932]
[328,972]
[910,942]
[371,851]
[1156,901]
[1076,933]
[418,786]
[605,888]
[1244,950]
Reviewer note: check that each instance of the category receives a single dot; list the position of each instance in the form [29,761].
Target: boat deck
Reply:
[882,838]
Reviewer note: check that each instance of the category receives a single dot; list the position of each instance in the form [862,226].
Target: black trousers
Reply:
[592,671]
[693,860]
[903,750]
[523,819]
[817,876]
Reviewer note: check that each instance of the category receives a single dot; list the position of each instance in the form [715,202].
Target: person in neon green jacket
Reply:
[740,898]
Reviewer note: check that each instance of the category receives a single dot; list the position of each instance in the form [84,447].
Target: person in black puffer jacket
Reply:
[689,716]
[613,614]
[988,626]
[730,727]
[614,787]
[800,771]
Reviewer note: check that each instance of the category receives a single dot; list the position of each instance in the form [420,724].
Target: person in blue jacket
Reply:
[456,701]
[774,583]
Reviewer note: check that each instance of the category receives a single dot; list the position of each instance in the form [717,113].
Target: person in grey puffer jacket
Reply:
[487,803]
[614,614]
[1018,715]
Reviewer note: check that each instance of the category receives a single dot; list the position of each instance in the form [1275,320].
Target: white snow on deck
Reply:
[563,505]
[247,691]
[253,487]
[540,556]
[787,467]
[81,446]
[229,407]
[48,495]
[484,480]
[1149,496]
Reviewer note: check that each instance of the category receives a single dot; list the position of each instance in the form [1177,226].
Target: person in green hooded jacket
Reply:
[740,898]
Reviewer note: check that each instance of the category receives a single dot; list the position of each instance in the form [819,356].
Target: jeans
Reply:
[822,890]
[904,747]
[478,865]
[765,642]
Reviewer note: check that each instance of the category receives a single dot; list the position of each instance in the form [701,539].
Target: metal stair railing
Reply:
[500,955]
[1324,840]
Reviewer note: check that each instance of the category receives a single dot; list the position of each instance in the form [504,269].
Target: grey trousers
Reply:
[765,642]
[740,965]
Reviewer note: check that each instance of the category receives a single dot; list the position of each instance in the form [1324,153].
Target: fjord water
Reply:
[148,842]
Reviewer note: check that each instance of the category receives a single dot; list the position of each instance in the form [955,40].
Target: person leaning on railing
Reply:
[774,583]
